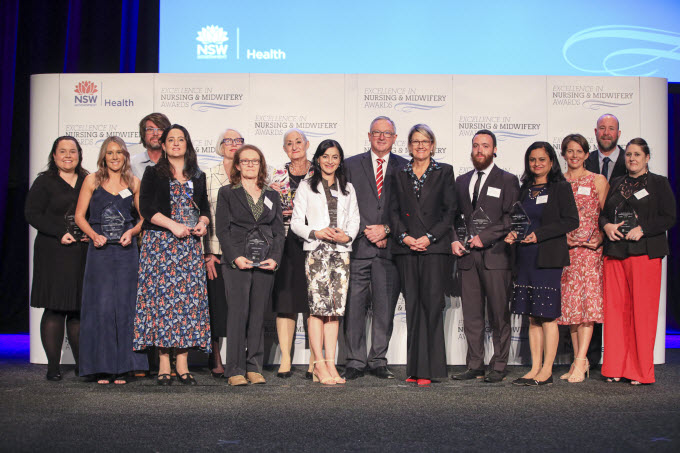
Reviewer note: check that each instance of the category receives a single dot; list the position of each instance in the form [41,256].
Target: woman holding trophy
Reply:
[172,301]
[109,286]
[549,210]
[582,279]
[250,230]
[639,210]
[59,250]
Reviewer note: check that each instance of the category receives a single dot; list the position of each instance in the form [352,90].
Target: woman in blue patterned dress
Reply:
[109,288]
[172,301]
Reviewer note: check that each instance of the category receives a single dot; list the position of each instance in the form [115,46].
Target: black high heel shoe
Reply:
[53,376]
[217,375]
[548,381]
[164,379]
[186,379]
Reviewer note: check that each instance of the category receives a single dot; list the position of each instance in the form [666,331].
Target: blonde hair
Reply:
[102,173]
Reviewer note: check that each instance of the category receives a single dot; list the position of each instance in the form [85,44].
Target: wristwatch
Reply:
[387,230]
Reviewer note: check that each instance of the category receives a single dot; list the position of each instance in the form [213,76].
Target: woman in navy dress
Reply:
[549,202]
[110,283]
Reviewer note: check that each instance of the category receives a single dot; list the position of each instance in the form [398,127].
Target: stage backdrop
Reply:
[519,109]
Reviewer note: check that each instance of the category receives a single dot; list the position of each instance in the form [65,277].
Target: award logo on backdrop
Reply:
[212,45]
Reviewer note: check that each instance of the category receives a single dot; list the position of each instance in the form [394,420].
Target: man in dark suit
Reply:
[609,160]
[373,274]
[485,270]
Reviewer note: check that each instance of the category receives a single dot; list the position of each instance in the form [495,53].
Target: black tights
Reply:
[52,335]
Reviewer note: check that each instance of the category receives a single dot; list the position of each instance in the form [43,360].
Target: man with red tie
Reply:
[373,280]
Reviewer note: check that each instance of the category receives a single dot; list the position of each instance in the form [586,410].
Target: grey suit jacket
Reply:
[496,253]
[372,210]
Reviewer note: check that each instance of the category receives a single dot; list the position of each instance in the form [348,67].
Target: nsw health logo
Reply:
[212,39]
[85,94]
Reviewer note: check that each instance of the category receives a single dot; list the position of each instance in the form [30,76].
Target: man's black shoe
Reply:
[495,376]
[469,374]
[382,372]
[352,373]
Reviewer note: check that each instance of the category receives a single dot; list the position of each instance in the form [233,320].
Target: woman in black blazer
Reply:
[172,301]
[245,207]
[422,210]
[632,266]
[549,202]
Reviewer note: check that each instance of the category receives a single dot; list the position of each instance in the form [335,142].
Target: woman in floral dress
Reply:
[582,279]
[172,301]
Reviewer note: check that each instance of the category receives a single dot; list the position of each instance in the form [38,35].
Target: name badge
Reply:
[268,203]
[334,193]
[640,194]
[493,192]
[125,193]
[190,184]
[582,190]
[542,199]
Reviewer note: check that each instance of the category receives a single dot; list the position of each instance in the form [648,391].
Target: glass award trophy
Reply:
[519,221]
[625,213]
[71,226]
[480,221]
[257,247]
[462,231]
[189,215]
[113,224]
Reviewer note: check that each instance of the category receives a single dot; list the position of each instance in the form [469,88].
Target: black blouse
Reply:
[48,201]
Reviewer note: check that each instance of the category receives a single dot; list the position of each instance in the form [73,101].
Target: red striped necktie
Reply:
[379,176]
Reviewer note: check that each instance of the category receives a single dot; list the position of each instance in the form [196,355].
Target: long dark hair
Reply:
[52,165]
[190,160]
[339,172]
[555,173]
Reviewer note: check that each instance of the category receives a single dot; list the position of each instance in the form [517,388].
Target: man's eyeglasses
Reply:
[153,130]
[377,134]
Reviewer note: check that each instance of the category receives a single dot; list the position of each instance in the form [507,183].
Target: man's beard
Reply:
[607,149]
[481,165]
[153,146]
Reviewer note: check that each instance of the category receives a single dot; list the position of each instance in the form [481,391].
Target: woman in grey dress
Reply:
[329,204]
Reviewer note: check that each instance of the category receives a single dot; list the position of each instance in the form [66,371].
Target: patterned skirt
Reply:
[327,281]
[172,301]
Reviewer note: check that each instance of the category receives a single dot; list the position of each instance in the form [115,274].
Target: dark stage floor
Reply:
[367,414]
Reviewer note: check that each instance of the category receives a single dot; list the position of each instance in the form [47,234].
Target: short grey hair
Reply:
[386,118]
[290,131]
[218,144]
[426,131]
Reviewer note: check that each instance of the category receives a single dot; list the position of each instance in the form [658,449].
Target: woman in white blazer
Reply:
[329,204]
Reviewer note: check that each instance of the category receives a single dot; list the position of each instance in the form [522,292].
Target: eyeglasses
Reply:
[377,134]
[153,130]
[230,141]
[250,162]
[421,142]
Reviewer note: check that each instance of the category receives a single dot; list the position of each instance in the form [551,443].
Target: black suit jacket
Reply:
[656,215]
[154,197]
[496,253]
[593,164]
[559,217]
[372,210]
[432,213]
[234,219]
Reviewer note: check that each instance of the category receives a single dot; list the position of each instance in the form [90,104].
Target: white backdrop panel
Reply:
[520,110]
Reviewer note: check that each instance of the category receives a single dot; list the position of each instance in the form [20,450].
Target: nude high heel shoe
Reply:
[579,375]
[325,381]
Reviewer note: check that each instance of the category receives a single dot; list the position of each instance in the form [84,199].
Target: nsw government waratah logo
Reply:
[213,43]
[86,93]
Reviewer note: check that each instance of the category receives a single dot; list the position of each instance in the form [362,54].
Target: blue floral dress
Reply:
[172,301]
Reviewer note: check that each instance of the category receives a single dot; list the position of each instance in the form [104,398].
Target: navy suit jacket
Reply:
[593,164]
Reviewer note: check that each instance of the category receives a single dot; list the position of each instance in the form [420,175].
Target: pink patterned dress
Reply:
[582,280]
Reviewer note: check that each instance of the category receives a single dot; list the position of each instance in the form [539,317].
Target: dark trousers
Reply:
[248,293]
[375,280]
[423,283]
[488,288]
